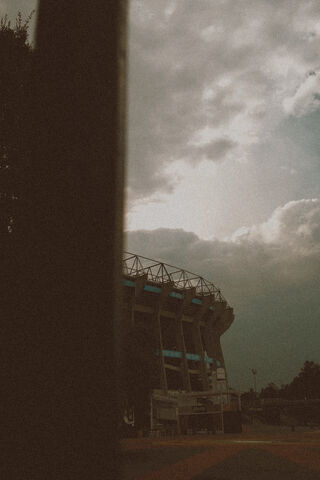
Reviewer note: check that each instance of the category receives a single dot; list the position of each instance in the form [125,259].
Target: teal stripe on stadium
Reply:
[190,356]
[153,289]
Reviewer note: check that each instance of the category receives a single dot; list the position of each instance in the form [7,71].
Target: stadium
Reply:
[188,316]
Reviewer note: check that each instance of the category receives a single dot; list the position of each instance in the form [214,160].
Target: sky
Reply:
[224,172]
[223,166]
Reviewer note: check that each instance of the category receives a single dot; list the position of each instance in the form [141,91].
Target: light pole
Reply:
[254,373]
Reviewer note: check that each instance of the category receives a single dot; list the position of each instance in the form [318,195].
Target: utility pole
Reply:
[151,414]
[254,373]
[222,420]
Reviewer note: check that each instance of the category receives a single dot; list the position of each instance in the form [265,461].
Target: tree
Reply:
[15,78]
[306,385]
[270,391]
[248,399]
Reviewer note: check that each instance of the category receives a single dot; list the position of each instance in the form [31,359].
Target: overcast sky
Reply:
[223,164]
[224,174]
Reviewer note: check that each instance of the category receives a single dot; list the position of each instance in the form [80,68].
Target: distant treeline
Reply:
[305,386]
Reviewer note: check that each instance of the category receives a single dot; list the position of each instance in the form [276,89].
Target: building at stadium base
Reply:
[187,315]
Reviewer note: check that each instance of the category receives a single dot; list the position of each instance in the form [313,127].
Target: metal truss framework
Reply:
[163,273]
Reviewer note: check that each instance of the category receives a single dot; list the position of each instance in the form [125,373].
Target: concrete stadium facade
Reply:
[187,315]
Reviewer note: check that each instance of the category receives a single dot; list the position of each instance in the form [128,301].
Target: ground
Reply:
[258,453]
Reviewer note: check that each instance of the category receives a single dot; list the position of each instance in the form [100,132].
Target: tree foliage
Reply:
[305,386]
[270,391]
[15,78]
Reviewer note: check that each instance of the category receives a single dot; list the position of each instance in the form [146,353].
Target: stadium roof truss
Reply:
[163,273]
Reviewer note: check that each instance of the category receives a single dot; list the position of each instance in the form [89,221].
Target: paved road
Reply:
[256,463]
[137,463]
[261,457]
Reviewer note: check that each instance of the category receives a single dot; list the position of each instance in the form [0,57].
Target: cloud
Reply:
[289,239]
[217,148]
[306,98]
[227,71]
[296,225]
[270,274]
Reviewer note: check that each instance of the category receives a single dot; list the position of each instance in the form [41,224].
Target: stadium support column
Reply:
[222,321]
[182,347]
[187,297]
[140,283]
[157,322]
[206,302]
[166,289]
[214,332]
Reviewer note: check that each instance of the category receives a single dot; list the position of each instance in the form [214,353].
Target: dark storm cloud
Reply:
[218,148]
[270,275]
